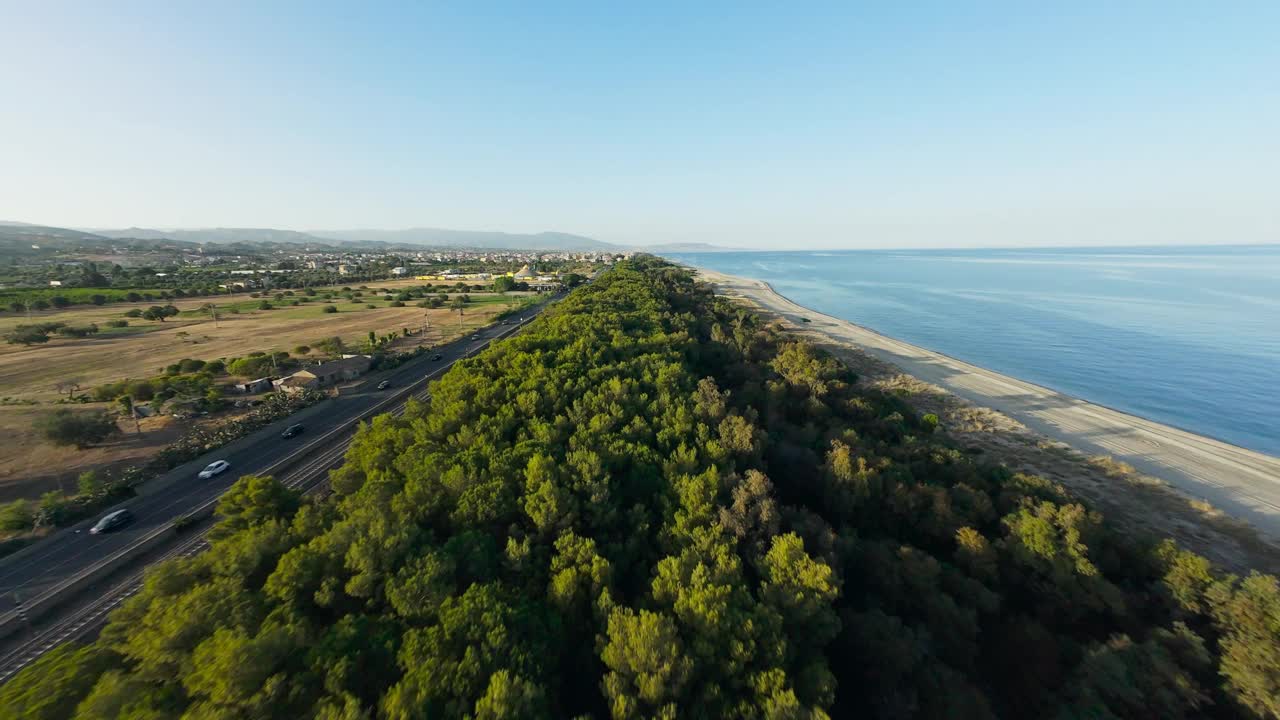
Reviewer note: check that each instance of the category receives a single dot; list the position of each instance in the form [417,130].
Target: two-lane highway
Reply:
[43,567]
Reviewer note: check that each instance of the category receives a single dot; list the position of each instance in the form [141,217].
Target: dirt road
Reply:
[1242,483]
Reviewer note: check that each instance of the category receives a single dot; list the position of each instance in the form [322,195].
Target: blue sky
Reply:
[753,125]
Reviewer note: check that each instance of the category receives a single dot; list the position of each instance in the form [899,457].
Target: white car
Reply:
[217,467]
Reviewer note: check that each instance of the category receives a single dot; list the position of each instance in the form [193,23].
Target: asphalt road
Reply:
[70,551]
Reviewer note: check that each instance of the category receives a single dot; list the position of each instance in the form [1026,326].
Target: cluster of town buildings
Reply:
[246,270]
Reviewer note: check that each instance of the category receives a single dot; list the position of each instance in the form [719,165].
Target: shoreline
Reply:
[1242,483]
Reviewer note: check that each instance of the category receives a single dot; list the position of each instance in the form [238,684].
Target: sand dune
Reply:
[1240,482]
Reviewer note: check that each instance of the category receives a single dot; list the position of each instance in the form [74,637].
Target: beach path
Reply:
[1240,482]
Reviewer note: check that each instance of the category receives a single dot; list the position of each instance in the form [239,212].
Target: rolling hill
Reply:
[16,234]
[438,237]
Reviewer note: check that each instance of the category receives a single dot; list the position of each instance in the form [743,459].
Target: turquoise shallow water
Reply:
[1187,336]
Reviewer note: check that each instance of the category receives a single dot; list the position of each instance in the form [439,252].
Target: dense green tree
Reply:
[647,665]
[252,500]
[52,687]
[1248,617]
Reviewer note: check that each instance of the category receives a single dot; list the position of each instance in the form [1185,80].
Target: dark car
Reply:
[384,384]
[292,431]
[437,357]
[111,521]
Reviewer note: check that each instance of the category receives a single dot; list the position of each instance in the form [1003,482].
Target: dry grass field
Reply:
[29,465]
[146,347]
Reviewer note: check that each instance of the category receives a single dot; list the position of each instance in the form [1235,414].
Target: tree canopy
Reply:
[652,504]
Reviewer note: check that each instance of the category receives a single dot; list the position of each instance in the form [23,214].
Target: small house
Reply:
[254,386]
[349,367]
[297,382]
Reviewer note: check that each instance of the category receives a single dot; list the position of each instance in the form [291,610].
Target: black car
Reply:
[437,356]
[111,521]
[292,431]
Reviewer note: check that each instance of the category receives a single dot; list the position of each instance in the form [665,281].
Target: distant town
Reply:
[42,268]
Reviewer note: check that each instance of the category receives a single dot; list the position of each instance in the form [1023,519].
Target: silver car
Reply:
[217,467]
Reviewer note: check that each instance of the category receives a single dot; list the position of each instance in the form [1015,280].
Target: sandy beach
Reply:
[1240,482]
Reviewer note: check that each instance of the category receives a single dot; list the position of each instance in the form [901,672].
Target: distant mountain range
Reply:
[436,237]
[216,235]
[36,234]
[16,232]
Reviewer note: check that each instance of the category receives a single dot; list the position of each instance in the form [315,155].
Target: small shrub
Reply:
[64,427]
[17,516]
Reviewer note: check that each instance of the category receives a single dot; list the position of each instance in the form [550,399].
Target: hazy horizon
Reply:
[925,127]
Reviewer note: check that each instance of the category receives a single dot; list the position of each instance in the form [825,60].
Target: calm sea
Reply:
[1186,336]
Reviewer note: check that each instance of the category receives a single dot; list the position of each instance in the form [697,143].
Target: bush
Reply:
[397,303]
[90,483]
[17,516]
[64,427]
[134,313]
[264,305]
[250,367]
[26,335]
[329,309]
[117,323]
[157,312]
[79,332]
